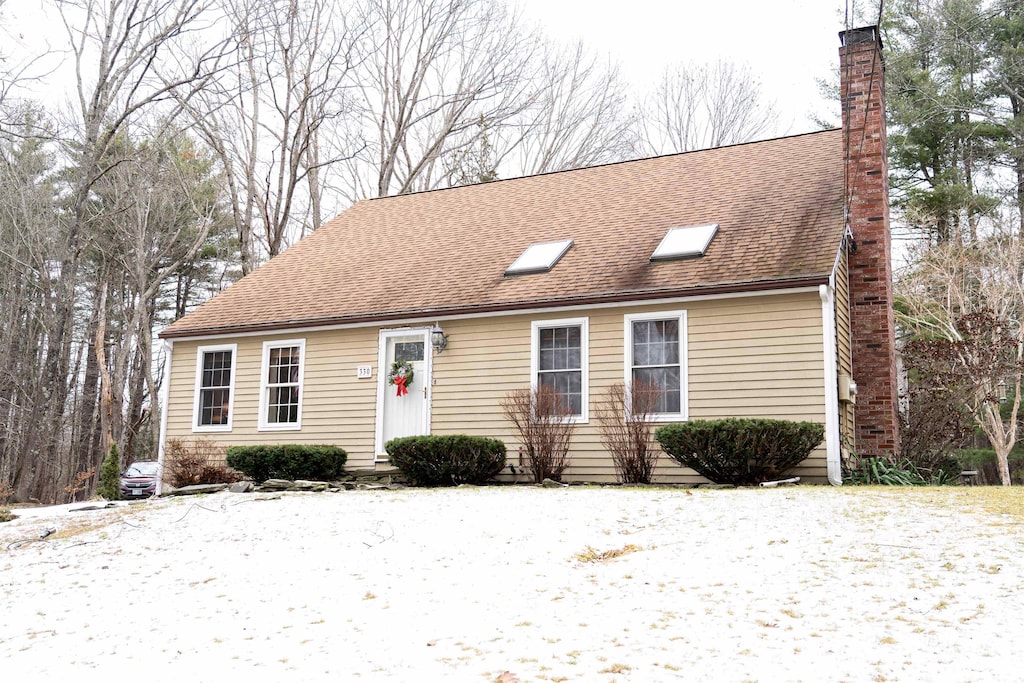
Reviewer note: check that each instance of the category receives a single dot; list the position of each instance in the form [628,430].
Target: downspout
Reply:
[833,457]
[165,392]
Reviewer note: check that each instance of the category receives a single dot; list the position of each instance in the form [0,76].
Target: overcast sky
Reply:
[788,43]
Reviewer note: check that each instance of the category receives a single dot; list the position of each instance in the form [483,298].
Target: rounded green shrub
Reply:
[740,451]
[447,460]
[288,461]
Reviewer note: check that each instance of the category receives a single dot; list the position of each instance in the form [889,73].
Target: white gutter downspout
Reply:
[165,392]
[833,457]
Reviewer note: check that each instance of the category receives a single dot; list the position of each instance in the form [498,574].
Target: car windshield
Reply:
[141,469]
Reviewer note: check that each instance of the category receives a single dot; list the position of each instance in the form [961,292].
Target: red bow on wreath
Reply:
[400,385]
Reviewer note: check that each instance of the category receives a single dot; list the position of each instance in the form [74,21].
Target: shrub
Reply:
[542,420]
[447,460]
[740,451]
[6,495]
[288,461]
[627,434]
[196,462]
[110,475]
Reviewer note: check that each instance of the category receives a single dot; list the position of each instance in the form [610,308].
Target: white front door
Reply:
[407,414]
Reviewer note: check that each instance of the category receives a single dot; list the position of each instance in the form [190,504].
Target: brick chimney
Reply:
[862,89]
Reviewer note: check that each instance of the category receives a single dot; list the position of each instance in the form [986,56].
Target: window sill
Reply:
[280,428]
[668,417]
[212,429]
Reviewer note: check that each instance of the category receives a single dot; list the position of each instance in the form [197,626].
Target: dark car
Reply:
[139,480]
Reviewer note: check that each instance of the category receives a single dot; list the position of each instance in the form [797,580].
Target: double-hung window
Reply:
[559,360]
[656,360]
[281,384]
[215,388]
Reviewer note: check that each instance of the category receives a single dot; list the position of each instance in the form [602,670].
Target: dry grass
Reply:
[998,500]
[593,555]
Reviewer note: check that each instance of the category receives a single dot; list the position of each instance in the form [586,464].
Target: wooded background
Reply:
[200,139]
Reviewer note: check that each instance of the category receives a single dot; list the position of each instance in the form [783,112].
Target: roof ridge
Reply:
[604,165]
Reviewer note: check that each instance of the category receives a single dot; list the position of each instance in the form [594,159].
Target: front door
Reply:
[403,413]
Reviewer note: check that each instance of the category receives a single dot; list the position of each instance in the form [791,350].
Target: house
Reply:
[749,280]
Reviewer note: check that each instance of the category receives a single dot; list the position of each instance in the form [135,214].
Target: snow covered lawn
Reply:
[522,584]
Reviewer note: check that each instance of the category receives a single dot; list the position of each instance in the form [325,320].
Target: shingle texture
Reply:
[778,204]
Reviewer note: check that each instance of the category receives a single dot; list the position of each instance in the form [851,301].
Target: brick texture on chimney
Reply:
[862,88]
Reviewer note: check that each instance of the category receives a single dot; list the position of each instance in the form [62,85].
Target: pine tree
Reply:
[110,475]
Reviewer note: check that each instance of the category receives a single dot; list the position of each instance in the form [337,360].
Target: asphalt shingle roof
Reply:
[778,204]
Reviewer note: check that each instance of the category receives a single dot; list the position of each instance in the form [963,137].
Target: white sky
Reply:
[787,43]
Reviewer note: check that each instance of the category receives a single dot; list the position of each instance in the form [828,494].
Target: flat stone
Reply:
[371,487]
[552,484]
[304,485]
[241,487]
[197,489]
[277,485]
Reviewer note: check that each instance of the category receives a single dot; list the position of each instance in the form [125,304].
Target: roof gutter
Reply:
[764,286]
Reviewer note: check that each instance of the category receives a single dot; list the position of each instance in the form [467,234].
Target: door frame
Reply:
[379,454]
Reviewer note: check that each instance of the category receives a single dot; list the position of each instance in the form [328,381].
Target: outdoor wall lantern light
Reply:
[438,338]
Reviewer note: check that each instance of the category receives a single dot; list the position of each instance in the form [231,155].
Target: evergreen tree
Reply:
[110,475]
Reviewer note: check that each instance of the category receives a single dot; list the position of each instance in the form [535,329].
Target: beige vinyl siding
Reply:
[337,408]
[748,357]
[843,354]
[758,356]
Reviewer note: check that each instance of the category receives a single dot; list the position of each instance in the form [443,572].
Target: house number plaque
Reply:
[364,371]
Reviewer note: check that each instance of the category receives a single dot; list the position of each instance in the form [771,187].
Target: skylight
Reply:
[688,242]
[539,258]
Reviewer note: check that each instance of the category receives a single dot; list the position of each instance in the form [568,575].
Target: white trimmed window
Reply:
[559,358]
[281,384]
[655,353]
[215,388]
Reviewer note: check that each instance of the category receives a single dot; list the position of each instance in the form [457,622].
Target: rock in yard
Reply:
[276,485]
[241,487]
[196,489]
[552,484]
[303,485]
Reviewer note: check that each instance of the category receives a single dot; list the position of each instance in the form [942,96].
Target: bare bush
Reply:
[542,420]
[196,462]
[624,417]
[81,482]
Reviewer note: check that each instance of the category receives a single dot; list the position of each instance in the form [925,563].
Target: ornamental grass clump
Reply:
[447,460]
[288,461]
[740,451]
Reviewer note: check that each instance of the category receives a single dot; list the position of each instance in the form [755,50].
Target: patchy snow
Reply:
[484,584]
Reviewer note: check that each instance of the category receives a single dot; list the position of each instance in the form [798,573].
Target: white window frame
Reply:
[684,370]
[200,353]
[264,425]
[584,325]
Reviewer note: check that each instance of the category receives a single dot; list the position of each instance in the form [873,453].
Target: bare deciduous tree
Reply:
[946,288]
[266,118]
[579,116]
[699,106]
[432,72]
